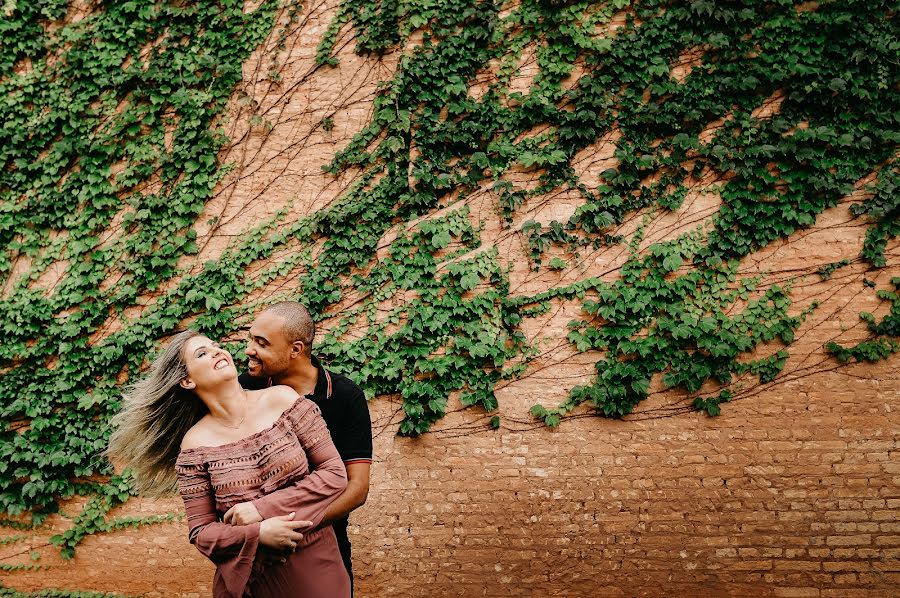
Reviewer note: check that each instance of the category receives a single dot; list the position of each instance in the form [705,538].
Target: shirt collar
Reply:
[323,382]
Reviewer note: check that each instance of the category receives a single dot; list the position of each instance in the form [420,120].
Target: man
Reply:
[279,352]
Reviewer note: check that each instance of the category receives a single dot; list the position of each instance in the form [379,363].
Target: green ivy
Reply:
[884,208]
[826,271]
[110,141]
[93,517]
[683,327]
[455,336]
[88,180]
[884,333]
[836,123]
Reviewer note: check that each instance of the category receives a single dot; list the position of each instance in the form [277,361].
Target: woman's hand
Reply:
[243,513]
[281,533]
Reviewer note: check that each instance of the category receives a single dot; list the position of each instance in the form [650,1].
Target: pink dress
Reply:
[292,466]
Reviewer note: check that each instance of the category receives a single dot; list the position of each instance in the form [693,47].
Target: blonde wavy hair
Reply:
[156,414]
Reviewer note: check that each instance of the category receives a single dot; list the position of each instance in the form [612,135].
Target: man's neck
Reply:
[302,378]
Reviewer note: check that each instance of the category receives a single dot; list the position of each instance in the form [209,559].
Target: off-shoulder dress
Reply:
[292,466]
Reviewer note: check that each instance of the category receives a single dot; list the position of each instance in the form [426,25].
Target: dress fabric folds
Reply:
[292,466]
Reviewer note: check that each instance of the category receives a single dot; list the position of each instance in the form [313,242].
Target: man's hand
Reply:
[282,532]
[242,514]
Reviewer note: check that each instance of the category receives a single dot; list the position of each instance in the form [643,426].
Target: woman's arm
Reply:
[309,496]
[231,548]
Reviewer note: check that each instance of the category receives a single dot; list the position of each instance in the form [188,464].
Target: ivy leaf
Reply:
[640,386]
[393,144]
[671,262]
[538,411]
[213,302]
[557,263]
[441,239]
[469,281]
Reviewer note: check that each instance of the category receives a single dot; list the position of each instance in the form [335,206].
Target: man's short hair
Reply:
[298,323]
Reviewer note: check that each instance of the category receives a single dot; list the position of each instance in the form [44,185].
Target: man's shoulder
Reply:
[251,382]
[347,416]
[344,388]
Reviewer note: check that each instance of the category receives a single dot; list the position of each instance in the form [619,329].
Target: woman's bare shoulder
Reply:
[199,435]
[278,398]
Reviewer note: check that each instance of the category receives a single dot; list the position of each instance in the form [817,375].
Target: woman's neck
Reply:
[227,402]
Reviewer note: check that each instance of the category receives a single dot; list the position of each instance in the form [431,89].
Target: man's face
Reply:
[268,349]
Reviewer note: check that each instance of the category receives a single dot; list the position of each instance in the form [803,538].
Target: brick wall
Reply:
[793,491]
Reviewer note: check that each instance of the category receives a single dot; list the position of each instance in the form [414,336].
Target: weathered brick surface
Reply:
[794,491]
[779,496]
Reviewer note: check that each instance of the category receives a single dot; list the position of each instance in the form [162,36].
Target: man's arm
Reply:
[354,442]
[356,493]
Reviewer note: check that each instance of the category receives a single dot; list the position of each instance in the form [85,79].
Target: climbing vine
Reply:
[884,333]
[834,125]
[108,148]
[111,137]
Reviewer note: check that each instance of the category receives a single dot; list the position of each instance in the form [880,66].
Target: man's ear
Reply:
[298,349]
[187,383]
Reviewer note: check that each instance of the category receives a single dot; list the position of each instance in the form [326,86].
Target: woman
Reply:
[255,469]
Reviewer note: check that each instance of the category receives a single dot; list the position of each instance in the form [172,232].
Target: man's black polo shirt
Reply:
[346,414]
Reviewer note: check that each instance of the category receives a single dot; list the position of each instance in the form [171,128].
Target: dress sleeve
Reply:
[310,495]
[231,547]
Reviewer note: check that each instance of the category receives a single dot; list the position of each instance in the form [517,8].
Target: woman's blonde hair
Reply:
[156,414]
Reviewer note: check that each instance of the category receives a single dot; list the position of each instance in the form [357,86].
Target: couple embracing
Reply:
[269,463]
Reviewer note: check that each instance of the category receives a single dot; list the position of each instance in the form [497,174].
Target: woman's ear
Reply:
[187,383]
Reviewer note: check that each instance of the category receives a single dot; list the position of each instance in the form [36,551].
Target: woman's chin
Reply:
[229,373]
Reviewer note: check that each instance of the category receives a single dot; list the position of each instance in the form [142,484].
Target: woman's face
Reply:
[208,364]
